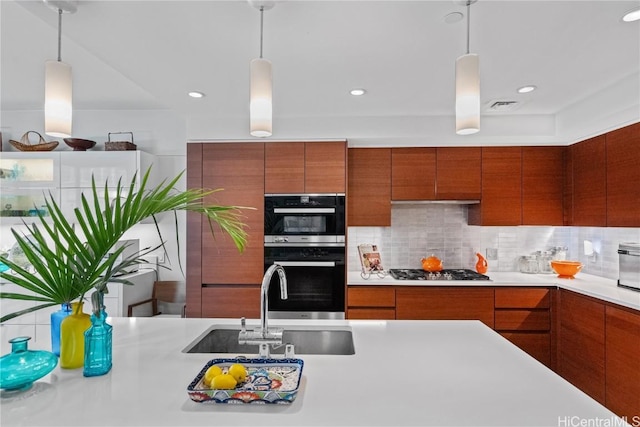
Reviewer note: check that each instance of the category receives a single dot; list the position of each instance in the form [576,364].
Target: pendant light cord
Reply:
[468,21]
[59,35]
[261,25]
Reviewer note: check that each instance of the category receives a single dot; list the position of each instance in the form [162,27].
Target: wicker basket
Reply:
[119,145]
[25,145]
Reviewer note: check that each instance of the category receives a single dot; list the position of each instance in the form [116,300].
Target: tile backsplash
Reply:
[420,230]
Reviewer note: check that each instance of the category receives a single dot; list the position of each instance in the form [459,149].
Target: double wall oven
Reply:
[305,233]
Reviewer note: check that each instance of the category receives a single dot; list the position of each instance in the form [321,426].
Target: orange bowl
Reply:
[566,269]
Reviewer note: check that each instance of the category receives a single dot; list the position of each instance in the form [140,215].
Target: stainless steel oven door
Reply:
[315,282]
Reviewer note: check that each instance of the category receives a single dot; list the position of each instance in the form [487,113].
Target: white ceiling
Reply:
[146,55]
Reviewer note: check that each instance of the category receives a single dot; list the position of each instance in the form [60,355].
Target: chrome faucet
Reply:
[264,337]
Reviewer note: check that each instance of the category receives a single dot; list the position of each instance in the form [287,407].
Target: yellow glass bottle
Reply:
[72,337]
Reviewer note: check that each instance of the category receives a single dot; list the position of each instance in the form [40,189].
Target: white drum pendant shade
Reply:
[260,106]
[468,94]
[57,99]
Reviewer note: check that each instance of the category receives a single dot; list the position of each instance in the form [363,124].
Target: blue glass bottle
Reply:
[20,368]
[56,320]
[97,341]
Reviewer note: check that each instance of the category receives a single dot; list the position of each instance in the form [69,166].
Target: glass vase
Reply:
[97,345]
[56,320]
[20,368]
[72,331]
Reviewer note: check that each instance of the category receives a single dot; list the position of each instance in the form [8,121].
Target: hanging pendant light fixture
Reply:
[58,106]
[468,88]
[260,104]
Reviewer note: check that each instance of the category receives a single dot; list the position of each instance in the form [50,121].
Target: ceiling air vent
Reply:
[500,106]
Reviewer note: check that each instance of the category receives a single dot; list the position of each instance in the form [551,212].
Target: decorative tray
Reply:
[268,381]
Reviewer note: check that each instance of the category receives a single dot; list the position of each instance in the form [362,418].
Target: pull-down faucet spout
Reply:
[264,337]
[264,294]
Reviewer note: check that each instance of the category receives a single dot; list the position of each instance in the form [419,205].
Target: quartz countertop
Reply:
[586,284]
[427,373]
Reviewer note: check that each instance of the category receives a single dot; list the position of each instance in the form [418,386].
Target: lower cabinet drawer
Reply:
[233,301]
[371,313]
[537,345]
[367,296]
[523,297]
[522,320]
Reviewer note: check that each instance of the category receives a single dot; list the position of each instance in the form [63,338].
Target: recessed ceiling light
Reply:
[527,89]
[453,17]
[357,92]
[632,15]
[195,94]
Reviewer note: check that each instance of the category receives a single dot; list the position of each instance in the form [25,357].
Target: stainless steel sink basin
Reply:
[306,339]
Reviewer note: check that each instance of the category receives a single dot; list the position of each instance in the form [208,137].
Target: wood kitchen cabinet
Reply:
[369,195]
[523,316]
[371,302]
[501,188]
[413,173]
[232,301]
[567,193]
[305,167]
[284,167]
[589,192]
[623,177]
[444,303]
[238,169]
[542,185]
[458,173]
[581,346]
[622,361]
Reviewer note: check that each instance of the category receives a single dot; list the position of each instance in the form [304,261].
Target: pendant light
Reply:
[58,83]
[468,88]
[260,104]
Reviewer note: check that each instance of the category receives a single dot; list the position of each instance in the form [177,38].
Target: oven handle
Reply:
[303,210]
[306,263]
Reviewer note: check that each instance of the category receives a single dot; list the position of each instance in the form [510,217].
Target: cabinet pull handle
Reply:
[306,263]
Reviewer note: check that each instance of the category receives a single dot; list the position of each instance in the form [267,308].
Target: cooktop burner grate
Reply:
[446,274]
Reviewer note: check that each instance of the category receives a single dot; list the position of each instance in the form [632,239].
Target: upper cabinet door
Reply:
[459,173]
[284,167]
[30,170]
[325,167]
[305,167]
[623,177]
[369,197]
[78,168]
[413,173]
[501,188]
[589,182]
[542,185]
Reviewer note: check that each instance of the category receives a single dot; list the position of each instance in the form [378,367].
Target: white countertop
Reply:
[586,284]
[427,373]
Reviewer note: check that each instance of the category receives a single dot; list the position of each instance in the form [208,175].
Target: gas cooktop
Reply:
[446,274]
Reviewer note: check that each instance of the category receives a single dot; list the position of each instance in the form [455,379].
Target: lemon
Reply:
[211,373]
[224,382]
[238,371]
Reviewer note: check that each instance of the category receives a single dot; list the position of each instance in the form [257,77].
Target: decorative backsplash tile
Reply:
[420,230]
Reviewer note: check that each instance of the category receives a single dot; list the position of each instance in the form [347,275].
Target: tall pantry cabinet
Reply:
[221,281]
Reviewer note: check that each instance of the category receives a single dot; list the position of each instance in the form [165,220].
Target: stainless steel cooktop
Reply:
[446,274]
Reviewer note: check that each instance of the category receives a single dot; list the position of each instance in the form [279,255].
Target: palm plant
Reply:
[67,266]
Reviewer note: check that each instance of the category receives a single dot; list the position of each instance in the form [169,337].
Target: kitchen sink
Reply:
[306,339]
